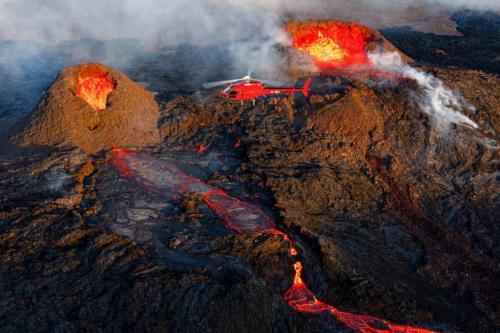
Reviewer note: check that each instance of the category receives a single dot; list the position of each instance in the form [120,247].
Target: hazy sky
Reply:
[173,21]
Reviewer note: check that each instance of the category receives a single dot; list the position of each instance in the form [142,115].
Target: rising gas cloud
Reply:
[192,21]
[443,105]
[158,23]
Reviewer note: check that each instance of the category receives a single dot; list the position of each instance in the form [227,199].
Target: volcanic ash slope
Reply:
[91,107]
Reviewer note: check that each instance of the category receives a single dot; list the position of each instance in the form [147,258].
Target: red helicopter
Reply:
[248,88]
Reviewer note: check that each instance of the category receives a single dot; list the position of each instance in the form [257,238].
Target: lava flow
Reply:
[165,178]
[303,300]
[331,44]
[94,88]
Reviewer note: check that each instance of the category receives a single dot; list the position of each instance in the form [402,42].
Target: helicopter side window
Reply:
[232,94]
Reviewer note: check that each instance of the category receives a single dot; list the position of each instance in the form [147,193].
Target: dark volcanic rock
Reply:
[383,196]
[478,47]
[85,250]
[65,119]
[391,218]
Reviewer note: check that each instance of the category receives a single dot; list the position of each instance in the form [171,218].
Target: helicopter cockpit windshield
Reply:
[227,90]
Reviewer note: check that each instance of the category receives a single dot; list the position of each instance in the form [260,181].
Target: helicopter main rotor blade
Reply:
[209,85]
[247,79]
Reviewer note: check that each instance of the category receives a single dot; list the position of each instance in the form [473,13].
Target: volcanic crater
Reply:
[91,107]
[329,45]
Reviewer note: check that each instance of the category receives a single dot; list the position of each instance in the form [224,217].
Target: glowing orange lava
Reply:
[94,88]
[302,299]
[331,44]
[165,178]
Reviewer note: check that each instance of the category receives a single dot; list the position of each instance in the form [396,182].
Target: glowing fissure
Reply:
[330,44]
[94,89]
[162,177]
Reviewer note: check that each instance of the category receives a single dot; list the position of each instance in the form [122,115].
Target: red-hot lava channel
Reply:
[164,178]
[94,89]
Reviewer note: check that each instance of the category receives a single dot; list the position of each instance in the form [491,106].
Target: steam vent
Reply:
[92,107]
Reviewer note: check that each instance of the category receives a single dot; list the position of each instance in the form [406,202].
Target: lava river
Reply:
[165,178]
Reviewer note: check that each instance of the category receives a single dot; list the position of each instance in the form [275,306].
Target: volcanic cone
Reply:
[91,107]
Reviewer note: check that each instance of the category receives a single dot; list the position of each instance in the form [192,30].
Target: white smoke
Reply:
[442,104]
[161,22]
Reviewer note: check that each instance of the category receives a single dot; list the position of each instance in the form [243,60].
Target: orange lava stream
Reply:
[330,44]
[302,299]
[94,89]
[165,178]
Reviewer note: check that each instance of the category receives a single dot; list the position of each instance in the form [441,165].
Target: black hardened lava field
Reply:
[249,166]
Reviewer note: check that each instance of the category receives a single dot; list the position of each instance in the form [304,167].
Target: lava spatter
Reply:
[165,178]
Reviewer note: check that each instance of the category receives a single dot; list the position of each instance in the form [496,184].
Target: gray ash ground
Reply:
[391,218]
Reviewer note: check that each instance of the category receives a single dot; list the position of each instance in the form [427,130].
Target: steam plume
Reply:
[435,99]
